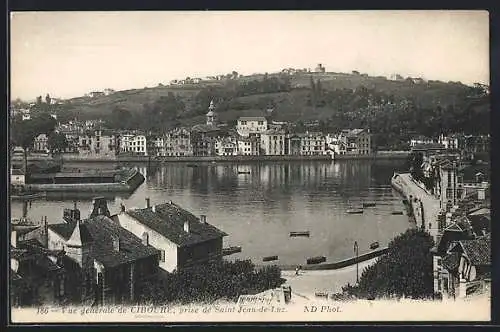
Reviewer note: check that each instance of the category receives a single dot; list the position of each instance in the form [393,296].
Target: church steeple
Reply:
[211,115]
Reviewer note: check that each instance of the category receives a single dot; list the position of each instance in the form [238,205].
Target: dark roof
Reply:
[168,220]
[204,128]
[478,250]
[16,171]
[22,229]
[429,146]
[102,230]
[451,261]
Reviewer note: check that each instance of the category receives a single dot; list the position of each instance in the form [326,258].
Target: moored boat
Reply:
[231,250]
[270,258]
[397,213]
[355,211]
[374,245]
[370,204]
[243,172]
[303,233]
[316,260]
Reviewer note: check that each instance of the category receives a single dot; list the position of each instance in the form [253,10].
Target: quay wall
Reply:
[82,158]
[342,263]
[424,206]
[127,185]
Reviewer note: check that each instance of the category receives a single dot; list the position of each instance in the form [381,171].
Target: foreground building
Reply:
[356,141]
[183,239]
[103,263]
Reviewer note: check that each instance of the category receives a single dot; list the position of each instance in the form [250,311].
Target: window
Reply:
[162,256]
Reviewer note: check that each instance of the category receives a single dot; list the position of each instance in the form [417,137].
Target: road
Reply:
[307,283]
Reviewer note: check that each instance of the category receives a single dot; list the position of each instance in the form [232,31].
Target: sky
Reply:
[68,54]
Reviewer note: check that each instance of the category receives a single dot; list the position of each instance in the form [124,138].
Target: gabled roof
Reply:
[102,230]
[478,250]
[80,235]
[168,220]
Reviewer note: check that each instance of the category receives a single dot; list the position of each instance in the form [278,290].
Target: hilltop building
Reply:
[183,239]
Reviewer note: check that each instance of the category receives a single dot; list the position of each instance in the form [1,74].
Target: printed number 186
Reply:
[42,310]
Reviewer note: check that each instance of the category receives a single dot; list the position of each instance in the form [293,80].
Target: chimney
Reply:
[148,204]
[145,238]
[116,243]
[186,226]
[203,219]
[13,239]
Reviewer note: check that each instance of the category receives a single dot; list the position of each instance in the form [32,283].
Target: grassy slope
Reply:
[290,106]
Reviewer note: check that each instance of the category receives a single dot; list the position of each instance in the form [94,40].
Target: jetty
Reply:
[122,180]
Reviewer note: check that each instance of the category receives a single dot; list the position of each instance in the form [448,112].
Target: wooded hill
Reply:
[393,110]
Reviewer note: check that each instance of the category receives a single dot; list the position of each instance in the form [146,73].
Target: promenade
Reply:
[425,206]
[309,282]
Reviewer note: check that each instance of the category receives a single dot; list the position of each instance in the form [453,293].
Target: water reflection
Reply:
[259,209]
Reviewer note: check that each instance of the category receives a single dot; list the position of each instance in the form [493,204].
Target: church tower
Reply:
[211,115]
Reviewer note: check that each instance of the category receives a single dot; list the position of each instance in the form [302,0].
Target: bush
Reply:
[208,283]
[405,271]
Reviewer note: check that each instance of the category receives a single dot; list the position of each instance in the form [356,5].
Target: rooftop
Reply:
[252,118]
[168,220]
[101,230]
[16,171]
[478,250]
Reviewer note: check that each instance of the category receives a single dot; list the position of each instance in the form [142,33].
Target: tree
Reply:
[24,132]
[211,282]
[404,271]
[57,142]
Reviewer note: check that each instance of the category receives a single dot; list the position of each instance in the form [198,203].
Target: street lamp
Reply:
[356,252]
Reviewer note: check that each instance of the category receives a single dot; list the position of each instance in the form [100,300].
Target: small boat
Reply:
[374,245]
[294,234]
[368,205]
[316,260]
[270,258]
[355,211]
[243,172]
[398,213]
[231,250]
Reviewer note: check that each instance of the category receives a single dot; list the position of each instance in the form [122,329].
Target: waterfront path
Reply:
[429,214]
[309,282]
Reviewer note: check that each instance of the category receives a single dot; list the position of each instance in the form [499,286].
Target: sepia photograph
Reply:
[249,166]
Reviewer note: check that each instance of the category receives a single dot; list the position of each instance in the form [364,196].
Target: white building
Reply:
[134,143]
[272,142]
[248,146]
[226,146]
[40,144]
[251,125]
[183,239]
[449,142]
[418,140]
[334,144]
[17,177]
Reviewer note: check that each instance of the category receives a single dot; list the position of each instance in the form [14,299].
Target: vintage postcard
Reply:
[249,166]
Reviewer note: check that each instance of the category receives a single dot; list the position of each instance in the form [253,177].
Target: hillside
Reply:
[392,109]
[290,105]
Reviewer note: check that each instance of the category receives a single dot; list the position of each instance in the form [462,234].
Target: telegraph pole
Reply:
[356,252]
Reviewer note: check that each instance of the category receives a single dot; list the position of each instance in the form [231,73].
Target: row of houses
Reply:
[462,251]
[104,258]
[252,136]
[466,143]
